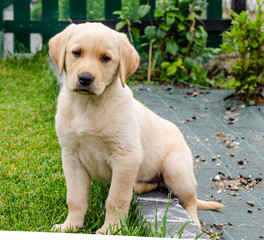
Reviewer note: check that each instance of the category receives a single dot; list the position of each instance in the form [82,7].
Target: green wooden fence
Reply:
[50,24]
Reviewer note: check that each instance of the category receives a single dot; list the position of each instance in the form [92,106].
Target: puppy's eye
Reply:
[77,53]
[105,59]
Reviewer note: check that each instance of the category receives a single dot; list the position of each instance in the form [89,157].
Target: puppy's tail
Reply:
[210,205]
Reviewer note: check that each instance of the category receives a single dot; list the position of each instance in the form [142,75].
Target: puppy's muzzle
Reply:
[85,79]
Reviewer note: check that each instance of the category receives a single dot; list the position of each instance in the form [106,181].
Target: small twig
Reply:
[129,32]
[149,61]
[155,61]
[190,43]
[191,30]
[192,8]
[150,18]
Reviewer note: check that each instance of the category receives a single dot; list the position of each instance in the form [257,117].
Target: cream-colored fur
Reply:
[106,134]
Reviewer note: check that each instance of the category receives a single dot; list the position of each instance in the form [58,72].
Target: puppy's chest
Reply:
[92,147]
[86,127]
[95,156]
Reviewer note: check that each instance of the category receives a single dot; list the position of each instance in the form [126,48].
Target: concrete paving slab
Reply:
[155,203]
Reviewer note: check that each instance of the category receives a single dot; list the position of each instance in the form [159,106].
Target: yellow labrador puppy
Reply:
[106,134]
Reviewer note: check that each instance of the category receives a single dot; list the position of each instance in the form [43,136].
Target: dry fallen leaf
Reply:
[221,134]
[207,100]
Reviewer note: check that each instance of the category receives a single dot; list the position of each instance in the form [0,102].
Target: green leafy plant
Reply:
[180,45]
[177,47]
[124,15]
[245,41]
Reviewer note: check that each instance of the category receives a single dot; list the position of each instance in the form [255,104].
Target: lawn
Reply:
[32,189]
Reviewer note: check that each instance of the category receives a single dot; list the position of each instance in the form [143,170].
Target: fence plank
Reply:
[49,14]
[22,26]
[26,27]
[5,3]
[110,7]
[238,5]
[78,9]
[22,13]
[214,11]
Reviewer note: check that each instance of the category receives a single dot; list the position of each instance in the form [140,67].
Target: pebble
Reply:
[233,194]
[221,134]
[219,191]
[252,204]
[217,178]
[214,158]
[250,210]
[240,162]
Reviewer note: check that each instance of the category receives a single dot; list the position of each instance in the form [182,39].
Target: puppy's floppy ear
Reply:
[129,58]
[57,47]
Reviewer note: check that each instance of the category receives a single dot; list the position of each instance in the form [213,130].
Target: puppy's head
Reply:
[93,56]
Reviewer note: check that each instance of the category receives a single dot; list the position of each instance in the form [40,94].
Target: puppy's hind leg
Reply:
[141,187]
[179,178]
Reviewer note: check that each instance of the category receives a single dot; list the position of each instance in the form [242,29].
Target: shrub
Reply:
[245,40]
[177,47]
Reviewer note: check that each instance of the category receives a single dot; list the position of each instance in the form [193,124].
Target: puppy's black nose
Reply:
[85,79]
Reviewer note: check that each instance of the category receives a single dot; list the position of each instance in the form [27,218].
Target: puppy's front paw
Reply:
[65,228]
[103,230]
[109,229]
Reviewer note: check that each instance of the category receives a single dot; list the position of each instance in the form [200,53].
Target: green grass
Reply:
[31,177]
[32,184]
